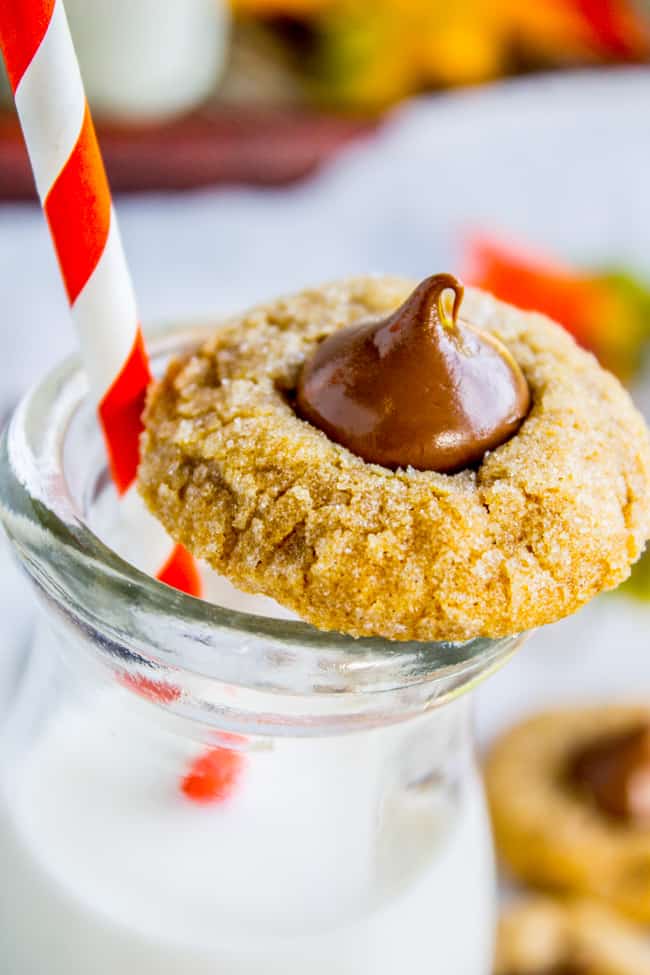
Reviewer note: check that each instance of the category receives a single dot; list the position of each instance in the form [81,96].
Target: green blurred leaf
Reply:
[638,585]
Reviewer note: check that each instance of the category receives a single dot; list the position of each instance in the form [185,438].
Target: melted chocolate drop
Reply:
[420,388]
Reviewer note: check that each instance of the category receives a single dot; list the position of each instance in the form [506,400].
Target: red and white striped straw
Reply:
[71,181]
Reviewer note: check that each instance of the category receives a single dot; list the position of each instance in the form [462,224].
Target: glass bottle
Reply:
[188,789]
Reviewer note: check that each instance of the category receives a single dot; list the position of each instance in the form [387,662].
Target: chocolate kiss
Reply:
[615,772]
[420,388]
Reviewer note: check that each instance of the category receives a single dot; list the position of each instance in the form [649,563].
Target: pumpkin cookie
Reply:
[545,937]
[526,535]
[569,793]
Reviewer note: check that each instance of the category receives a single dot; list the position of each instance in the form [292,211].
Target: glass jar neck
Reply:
[126,626]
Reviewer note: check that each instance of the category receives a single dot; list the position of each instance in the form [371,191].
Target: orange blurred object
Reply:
[533,282]
[607,311]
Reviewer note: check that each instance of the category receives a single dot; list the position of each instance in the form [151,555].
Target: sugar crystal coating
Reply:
[547,521]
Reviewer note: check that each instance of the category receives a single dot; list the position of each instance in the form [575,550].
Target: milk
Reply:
[317,863]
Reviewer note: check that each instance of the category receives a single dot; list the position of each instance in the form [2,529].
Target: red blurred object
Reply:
[212,146]
[213,776]
[616,27]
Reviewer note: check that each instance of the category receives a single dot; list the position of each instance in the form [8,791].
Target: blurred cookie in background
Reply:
[569,793]
[540,936]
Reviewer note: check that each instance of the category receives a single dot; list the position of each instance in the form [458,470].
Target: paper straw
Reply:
[71,181]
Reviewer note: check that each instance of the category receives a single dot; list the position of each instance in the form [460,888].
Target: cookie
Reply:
[555,828]
[544,523]
[540,936]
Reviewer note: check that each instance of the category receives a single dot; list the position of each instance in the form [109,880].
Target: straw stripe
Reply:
[78,210]
[22,27]
[181,572]
[121,409]
[51,102]
[106,329]
[71,181]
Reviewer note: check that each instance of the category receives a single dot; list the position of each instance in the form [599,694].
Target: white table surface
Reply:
[562,162]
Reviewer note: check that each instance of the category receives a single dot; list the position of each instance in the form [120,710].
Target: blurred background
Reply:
[199,92]
[263,145]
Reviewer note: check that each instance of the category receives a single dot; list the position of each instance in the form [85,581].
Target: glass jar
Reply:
[149,59]
[188,789]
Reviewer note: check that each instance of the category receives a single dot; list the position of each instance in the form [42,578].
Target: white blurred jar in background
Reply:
[149,59]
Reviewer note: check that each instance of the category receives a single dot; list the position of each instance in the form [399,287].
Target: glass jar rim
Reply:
[132,613]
